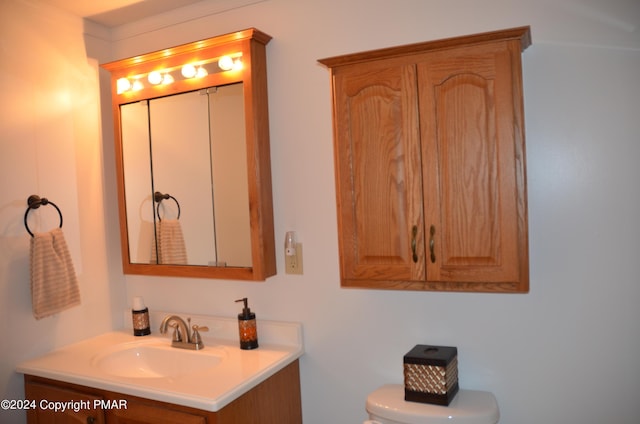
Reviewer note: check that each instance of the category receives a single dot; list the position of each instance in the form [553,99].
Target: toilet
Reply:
[386,405]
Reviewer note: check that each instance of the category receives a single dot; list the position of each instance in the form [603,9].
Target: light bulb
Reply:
[122,85]
[137,85]
[237,65]
[201,72]
[225,63]
[167,79]
[188,71]
[155,77]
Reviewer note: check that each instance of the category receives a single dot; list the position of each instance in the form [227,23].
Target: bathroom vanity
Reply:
[119,378]
[275,400]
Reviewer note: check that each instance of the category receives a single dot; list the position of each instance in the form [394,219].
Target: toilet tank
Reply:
[386,405]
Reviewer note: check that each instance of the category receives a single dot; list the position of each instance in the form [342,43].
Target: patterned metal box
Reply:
[431,374]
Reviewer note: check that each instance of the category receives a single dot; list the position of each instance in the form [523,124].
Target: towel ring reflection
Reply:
[159,197]
[34,201]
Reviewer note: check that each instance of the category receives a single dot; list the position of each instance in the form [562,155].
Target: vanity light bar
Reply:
[192,70]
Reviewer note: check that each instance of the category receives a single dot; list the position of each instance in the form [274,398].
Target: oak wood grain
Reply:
[430,159]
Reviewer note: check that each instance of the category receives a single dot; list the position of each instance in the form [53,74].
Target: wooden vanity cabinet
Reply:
[41,391]
[274,401]
[430,165]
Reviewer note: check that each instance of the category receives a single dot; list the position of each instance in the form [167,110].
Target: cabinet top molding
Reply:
[520,33]
[188,49]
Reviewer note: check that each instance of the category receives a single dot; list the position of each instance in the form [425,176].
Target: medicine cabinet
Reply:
[193,161]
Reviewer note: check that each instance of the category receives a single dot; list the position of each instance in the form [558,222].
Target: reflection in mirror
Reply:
[192,147]
[230,187]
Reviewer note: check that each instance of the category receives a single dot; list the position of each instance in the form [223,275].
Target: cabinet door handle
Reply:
[432,243]
[91,420]
[414,234]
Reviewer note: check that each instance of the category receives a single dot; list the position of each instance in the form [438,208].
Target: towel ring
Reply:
[34,201]
[159,197]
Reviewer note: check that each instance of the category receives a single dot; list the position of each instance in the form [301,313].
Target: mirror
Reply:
[200,181]
[192,152]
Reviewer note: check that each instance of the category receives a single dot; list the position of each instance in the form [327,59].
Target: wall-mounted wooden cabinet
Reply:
[191,126]
[430,165]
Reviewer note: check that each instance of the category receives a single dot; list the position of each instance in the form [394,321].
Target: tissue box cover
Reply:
[431,374]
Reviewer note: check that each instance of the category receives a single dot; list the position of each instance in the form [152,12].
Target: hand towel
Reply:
[54,285]
[170,245]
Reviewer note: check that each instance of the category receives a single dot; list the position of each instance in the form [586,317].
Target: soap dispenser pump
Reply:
[247,327]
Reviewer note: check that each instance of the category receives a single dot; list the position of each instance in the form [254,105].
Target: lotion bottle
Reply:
[140,316]
[247,327]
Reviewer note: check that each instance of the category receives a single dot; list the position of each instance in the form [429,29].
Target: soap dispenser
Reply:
[140,316]
[247,327]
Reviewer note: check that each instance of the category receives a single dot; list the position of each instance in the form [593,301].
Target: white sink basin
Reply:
[150,361]
[149,367]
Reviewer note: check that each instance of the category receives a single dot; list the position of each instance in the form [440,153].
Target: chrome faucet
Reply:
[182,336]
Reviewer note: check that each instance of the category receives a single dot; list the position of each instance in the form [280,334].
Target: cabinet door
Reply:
[78,406]
[378,173]
[153,413]
[473,153]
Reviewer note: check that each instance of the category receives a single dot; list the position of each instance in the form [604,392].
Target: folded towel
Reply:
[170,248]
[54,286]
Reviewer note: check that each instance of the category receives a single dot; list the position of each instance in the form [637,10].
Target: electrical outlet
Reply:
[293,263]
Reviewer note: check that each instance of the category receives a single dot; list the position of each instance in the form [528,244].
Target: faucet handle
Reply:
[198,328]
[202,328]
[196,334]
[177,337]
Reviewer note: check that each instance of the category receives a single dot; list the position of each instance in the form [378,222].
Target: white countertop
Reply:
[208,389]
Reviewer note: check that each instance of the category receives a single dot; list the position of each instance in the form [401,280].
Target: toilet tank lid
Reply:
[468,407]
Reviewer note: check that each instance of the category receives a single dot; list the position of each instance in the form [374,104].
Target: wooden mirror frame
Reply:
[251,43]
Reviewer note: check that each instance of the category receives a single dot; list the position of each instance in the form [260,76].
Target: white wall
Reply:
[51,145]
[565,352]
